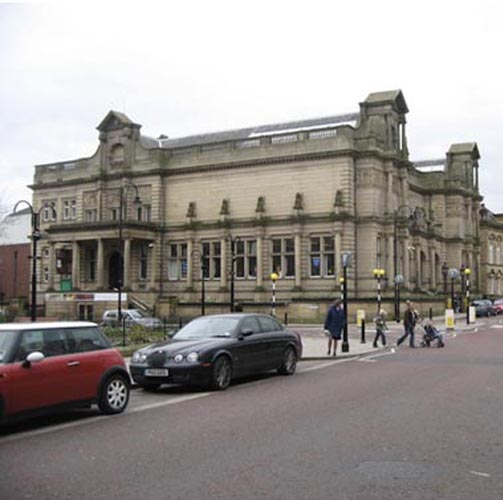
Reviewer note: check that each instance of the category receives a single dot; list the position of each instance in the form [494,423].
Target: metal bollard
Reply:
[180,323]
[431,313]
[286,319]
[165,327]
[363,341]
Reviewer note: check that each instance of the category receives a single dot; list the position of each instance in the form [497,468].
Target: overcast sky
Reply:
[182,68]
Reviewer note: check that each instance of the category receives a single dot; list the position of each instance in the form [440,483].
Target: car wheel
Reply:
[221,374]
[289,363]
[150,387]
[114,395]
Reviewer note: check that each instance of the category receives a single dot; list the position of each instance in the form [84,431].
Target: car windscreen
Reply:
[208,327]
[7,338]
[136,314]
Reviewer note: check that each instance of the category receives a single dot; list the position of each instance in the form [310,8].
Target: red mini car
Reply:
[45,366]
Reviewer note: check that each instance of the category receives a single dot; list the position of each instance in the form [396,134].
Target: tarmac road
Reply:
[415,424]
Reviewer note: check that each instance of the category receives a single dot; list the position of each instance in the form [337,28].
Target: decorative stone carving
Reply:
[191,210]
[299,202]
[224,210]
[260,205]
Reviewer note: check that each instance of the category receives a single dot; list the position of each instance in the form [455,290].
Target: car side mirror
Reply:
[33,357]
[246,332]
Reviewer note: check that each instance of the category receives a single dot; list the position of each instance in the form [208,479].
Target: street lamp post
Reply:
[201,258]
[35,236]
[123,191]
[462,274]
[445,270]
[398,280]
[233,272]
[378,275]
[346,261]
[467,271]
[274,277]
[453,274]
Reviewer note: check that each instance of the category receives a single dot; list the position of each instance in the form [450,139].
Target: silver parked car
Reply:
[131,317]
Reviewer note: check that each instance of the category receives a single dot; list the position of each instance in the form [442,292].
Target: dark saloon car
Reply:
[483,307]
[49,366]
[212,350]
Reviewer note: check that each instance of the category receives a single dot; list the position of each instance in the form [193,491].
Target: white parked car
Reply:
[131,317]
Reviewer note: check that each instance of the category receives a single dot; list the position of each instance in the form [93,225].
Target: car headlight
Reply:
[192,357]
[178,358]
[139,357]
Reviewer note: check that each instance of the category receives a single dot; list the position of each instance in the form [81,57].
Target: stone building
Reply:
[288,197]
[491,270]
[15,250]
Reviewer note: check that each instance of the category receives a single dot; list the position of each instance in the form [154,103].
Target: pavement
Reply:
[315,341]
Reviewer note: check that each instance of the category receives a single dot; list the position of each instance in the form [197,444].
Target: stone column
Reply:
[406,262]
[223,264]
[52,265]
[260,258]
[433,271]
[298,257]
[338,251]
[389,197]
[419,277]
[75,265]
[153,267]
[190,265]
[390,261]
[127,263]
[100,275]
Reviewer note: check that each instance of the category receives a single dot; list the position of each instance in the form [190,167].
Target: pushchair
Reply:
[432,334]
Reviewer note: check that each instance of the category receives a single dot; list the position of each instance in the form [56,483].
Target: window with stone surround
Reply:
[143,262]
[91,215]
[90,264]
[283,257]
[177,261]
[246,259]
[322,257]
[48,212]
[70,209]
[212,259]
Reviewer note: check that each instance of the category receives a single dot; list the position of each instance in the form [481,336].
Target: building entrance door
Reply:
[115,266]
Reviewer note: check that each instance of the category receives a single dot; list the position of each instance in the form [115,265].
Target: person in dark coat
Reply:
[409,322]
[334,323]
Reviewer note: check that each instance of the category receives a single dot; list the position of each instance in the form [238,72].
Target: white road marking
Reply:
[173,401]
[482,474]
[324,365]
[92,420]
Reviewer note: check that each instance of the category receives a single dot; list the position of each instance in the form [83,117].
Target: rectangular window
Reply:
[91,215]
[322,256]
[48,212]
[177,261]
[283,257]
[114,214]
[69,209]
[91,264]
[212,258]
[144,213]
[246,259]
[143,262]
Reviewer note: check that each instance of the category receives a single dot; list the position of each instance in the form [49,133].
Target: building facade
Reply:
[491,228]
[288,198]
[15,250]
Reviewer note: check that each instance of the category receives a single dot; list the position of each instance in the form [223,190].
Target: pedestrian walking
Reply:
[381,327]
[334,323]
[409,322]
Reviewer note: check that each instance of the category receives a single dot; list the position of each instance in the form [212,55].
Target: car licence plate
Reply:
[156,372]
